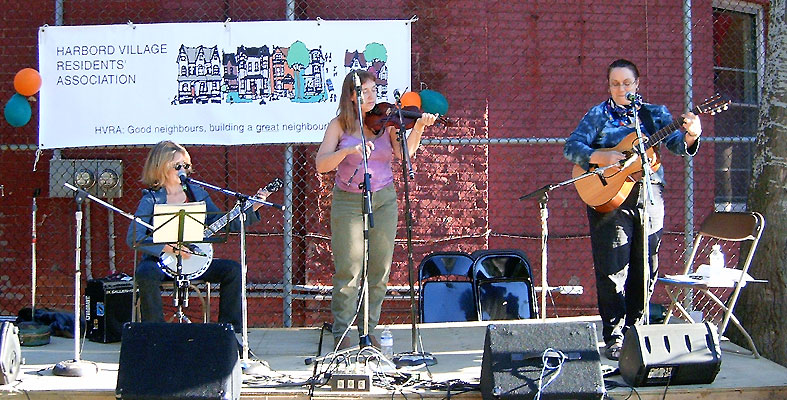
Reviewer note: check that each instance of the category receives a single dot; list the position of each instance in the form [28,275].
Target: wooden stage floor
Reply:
[458,348]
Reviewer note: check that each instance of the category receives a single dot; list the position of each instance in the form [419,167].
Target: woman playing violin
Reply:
[340,150]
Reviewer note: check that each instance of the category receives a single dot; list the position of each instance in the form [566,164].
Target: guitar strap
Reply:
[650,126]
[647,119]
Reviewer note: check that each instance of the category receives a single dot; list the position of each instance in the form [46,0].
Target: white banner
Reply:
[208,83]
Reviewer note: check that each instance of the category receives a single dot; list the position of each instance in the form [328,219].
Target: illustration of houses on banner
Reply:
[281,74]
[250,74]
[199,75]
[374,60]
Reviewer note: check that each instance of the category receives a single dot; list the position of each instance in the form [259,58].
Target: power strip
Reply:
[351,383]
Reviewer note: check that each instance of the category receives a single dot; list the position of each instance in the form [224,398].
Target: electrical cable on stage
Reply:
[552,363]
[369,360]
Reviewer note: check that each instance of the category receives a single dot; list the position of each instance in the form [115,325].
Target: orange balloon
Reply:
[411,99]
[27,82]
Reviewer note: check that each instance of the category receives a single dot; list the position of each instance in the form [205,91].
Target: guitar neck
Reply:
[235,211]
[221,222]
[662,133]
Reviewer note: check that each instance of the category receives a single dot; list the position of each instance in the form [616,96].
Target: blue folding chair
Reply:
[503,285]
[446,288]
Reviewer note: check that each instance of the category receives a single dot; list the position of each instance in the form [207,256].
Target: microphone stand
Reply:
[368,221]
[543,196]
[33,324]
[250,367]
[645,197]
[414,357]
[76,367]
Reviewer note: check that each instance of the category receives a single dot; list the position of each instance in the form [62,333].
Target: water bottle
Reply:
[716,258]
[386,343]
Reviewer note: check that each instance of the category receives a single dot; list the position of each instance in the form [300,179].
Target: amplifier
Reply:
[108,305]
[162,361]
[517,355]
[673,354]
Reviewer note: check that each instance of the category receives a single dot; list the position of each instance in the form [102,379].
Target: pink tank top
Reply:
[350,172]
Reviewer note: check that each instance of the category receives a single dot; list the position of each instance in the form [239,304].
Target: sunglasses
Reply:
[180,166]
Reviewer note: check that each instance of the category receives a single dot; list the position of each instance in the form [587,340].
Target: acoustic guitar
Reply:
[609,188]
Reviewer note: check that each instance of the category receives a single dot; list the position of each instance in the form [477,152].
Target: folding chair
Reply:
[503,285]
[738,235]
[167,288]
[446,288]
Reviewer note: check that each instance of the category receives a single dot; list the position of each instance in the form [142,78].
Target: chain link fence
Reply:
[518,77]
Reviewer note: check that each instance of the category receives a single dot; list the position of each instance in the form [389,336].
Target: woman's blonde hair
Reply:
[348,110]
[154,173]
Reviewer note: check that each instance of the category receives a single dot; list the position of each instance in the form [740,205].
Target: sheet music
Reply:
[166,221]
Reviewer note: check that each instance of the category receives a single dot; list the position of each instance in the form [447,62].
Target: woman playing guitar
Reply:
[615,226]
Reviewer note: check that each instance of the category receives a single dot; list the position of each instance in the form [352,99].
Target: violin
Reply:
[386,114]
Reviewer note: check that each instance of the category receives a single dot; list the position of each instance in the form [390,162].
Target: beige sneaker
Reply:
[346,343]
[612,351]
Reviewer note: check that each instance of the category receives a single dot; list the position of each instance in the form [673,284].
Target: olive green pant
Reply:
[347,243]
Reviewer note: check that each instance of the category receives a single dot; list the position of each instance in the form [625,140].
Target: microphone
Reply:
[186,189]
[183,177]
[397,96]
[634,98]
[358,87]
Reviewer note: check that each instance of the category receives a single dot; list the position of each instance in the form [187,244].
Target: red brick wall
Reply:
[521,69]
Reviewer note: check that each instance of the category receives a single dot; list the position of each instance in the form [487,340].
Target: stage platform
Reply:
[458,348]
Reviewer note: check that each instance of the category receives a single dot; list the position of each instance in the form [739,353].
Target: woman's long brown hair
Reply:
[348,110]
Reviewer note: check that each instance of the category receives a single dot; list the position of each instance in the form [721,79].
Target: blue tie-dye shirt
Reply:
[604,127]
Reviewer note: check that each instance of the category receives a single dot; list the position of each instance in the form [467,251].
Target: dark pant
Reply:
[616,239]
[225,272]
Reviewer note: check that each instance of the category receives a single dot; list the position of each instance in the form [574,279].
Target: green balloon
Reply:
[17,111]
[433,102]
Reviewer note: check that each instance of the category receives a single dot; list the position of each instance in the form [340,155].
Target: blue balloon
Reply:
[17,111]
[433,102]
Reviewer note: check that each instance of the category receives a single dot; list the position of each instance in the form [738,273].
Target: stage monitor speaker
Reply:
[178,361]
[10,353]
[108,304]
[512,361]
[676,354]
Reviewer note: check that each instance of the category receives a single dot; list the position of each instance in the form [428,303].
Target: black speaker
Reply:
[676,354]
[513,361]
[178,361]
[10,353]
[108,305]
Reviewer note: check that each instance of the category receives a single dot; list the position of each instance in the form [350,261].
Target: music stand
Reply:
[179,225]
